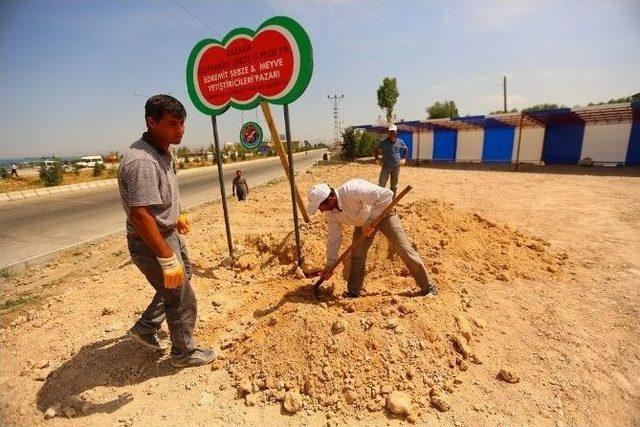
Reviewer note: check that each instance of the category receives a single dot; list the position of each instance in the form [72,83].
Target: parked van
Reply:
[90,161]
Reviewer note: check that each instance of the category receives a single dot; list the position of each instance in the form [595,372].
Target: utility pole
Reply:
[504,92]
[336,118]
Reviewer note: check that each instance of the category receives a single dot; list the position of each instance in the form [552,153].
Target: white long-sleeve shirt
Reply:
[360,202]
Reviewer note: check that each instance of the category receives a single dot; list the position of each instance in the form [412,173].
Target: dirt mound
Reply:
[338,353]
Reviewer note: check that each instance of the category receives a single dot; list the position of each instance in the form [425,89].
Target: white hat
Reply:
[393,128]
[317,195]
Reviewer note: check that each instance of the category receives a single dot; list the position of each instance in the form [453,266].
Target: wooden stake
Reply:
[277,144]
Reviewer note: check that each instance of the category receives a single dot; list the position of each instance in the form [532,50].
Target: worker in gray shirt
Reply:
[394,154]
[151,201]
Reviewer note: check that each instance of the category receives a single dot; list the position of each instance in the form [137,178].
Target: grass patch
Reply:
[20,301]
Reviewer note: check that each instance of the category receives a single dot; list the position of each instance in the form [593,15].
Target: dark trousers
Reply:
[178,306]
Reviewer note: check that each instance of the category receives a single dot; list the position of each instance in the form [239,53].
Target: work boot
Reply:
[198,357]
[147,340]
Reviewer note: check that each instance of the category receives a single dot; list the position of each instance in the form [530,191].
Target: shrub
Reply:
[52,175]
[98,169]
[4,172]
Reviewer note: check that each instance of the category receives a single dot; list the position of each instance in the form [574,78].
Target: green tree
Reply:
[365,144]
[613,101]
[388,95]
[441,110]
[52,175]
[182,152]
[540,107]
[4,172]
[513,110]
[349,142]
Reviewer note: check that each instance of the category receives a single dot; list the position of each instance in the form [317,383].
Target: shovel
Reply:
[356,243]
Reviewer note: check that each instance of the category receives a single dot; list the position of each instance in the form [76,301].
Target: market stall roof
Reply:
[600,114]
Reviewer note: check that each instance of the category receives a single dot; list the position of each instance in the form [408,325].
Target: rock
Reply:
[480,322]
[552,269]
[216,302]
[412,418]
[245,387]
[509,375]
[463,366]
[465,327]
[52,411]
[399,403]
[502,276]
[392,323]
[42,364]
[323,305]
[107,311]
[272,321]
[113,327]
[338,326]
[461,346]
[440,402]
[252,399]
[292,402]
[206,399]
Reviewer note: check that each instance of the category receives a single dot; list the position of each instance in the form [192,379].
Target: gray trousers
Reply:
[178,306]
[384,177]
[393,231]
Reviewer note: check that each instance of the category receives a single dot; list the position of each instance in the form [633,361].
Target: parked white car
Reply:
[90,161]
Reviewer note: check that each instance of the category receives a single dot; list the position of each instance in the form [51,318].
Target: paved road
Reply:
[34,227]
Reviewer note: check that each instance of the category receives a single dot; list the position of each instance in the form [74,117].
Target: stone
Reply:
[509,375]
[399,403]
[461,346]
[216,302]
[480,322]
[245,387]
[465,327]
[440,402]
[113,327]
[252,399]
[338,326]
[392,323]
[206,399]
[52,411]
[107,311]
[292,402]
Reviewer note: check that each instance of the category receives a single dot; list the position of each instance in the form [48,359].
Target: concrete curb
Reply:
[46,191]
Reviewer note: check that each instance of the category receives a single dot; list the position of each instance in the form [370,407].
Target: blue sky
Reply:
[74,75]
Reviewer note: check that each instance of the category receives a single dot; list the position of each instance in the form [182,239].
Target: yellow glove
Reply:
[172,271]
[183,224]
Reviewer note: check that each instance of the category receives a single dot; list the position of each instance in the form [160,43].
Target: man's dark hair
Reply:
[158,104]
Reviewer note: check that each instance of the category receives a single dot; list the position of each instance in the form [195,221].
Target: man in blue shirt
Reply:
[394,154]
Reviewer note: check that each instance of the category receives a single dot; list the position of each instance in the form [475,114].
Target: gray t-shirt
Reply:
[147,177]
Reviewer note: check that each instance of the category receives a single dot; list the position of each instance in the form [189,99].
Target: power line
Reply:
[192,15]
[336,118]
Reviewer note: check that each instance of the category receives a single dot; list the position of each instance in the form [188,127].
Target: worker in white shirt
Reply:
[358,203]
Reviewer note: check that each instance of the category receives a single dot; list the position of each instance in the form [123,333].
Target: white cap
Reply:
[393,128]
[317,195]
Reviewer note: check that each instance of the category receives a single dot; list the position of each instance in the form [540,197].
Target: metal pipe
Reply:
[223,194]
[292,183]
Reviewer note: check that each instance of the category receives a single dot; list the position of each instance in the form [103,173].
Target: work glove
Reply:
[183,224]
[172,271]
[403,161]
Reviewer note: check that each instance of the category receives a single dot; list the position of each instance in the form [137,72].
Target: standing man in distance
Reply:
[394,153]
[239,186]
[151,201]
